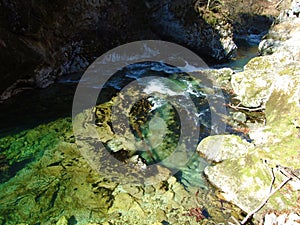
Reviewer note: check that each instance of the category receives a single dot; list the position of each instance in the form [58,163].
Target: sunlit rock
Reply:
[218,148]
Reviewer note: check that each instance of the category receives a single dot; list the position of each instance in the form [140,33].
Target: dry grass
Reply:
[261,7]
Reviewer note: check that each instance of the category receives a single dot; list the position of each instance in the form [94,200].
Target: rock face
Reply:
[41,41]
[273,82]
[207,33]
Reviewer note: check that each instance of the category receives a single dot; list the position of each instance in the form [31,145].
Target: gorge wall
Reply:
[40,41]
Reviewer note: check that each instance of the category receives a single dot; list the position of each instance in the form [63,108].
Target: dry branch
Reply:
[289,176]
[238,107]
[265,200]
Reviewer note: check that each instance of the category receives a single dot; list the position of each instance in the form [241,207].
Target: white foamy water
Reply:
[157,85]
[156,103]
[117,57]
[188,68]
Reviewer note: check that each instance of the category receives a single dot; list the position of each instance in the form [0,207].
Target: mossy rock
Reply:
[246,180]
[218,148]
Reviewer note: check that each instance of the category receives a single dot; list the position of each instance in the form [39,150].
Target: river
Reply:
[39,106]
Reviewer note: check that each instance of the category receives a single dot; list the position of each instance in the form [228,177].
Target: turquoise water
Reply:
[246,52]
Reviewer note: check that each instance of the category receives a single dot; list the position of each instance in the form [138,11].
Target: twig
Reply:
[273,179]
[208,4]
[238,107]
[272,174]
[196,198]
[235,220]
[287,172]
[278,3]
[265,200]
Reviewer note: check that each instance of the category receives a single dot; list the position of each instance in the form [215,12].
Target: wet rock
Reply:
[268,46]
[60,181]
[61,187]
[123,202]
[29,145]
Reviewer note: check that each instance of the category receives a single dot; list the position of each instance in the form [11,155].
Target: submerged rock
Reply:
[61,187]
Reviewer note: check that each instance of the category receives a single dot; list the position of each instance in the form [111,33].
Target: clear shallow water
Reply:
[246,51]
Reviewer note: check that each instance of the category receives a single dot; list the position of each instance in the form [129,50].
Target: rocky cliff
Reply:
[40,41]
[248,172]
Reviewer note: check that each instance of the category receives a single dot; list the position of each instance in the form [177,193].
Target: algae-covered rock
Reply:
[61,181]
[218,148]
[253,85]
[264,74]
[62,188]
[221,77]
[261,76]
[29,145]
[246,180]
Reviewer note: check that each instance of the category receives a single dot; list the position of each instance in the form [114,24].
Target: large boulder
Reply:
[218,148]
[271,82]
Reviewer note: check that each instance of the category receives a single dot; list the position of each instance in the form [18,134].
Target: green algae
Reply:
[59,183]
[29,145]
